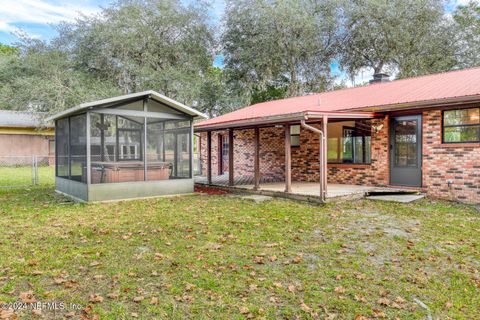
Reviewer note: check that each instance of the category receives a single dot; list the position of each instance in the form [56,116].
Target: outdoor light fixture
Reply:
[378,128]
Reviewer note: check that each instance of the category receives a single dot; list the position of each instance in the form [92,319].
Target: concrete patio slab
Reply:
[402,198]
[257,198]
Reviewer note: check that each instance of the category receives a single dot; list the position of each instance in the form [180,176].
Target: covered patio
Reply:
[305,189]
[288,155]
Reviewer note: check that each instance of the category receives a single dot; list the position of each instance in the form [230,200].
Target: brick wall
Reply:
[272,153]
[442,162]
[460,164]
[305,160]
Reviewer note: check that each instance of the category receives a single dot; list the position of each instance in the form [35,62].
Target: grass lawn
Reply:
[22,176]
[204,257]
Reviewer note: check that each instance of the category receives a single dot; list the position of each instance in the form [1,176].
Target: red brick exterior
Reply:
[272,153]
[460,164]
[457,163]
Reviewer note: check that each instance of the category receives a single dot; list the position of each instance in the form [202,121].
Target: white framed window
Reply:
[295,136]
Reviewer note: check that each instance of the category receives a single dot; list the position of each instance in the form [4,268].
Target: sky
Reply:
[38,17]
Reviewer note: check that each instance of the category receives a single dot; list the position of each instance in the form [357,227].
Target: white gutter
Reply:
[323,173]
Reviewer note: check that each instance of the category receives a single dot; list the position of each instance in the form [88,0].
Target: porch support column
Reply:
[324,153]
[209,157]
[231,173]
[88,142]
[288,160]
[256,163]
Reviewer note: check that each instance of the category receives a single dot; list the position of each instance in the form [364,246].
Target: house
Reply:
[419,133]
[132,146]
[23,136]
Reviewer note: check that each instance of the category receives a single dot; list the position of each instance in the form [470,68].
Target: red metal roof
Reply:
[431,88]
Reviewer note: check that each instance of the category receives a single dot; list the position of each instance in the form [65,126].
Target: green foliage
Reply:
[4,49]
[271,49]
[267,42]
[129,47]
[467,20]
[271,92]
[408,37]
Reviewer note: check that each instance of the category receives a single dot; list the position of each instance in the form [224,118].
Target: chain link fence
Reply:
[22,171]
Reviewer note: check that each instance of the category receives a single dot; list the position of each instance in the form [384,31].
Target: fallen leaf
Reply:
[243,310]
[258,260]
[113,295]
[190,287]
[384,293]
[36,312]
[378,313]
[138,299]
[360,299]
[154,301]
[399,300]
[27,297]
[339,289]
[95,298]
[305,307]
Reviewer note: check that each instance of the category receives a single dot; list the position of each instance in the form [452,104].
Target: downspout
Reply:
[323,191]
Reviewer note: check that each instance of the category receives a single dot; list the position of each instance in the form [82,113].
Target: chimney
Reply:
[380,77]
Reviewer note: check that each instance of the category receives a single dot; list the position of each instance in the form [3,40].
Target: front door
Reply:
[406,151]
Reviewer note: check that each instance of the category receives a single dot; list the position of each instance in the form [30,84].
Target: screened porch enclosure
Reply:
[118,148]
[127,142]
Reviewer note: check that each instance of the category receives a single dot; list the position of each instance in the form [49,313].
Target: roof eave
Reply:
[420,104]
[271,120]
[133,96]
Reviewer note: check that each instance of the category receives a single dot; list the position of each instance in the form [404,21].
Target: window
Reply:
[461,125]
[406,144]
[51,147]
[295,136]
[225,146]
[349,142]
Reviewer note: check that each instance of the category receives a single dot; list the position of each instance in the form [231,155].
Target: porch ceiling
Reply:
[285,118]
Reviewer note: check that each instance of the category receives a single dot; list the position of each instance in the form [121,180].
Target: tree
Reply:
[270,46]
[160,45]
[131,46]
[467,19]
[407,37]
[38,77]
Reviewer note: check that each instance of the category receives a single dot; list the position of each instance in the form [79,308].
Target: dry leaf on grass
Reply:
[243,310]
[95,298]
[113,295]
[27,297]
[339,289]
